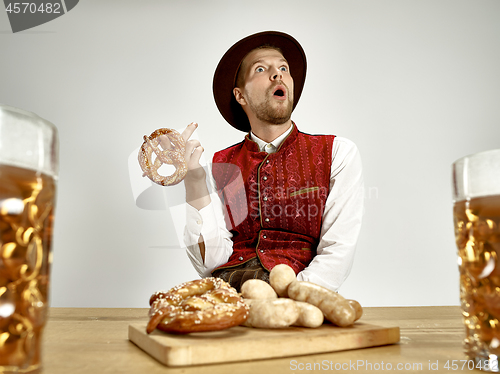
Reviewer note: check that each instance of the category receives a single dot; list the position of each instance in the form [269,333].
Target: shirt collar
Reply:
[272,146]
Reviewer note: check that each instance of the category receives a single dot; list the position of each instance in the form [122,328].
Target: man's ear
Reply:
[238,95]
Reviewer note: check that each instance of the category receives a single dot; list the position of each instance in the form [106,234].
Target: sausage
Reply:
[307,306]
[334,306]
[269,313]
[257,289]
[280,277]
[357,308]
[309,315]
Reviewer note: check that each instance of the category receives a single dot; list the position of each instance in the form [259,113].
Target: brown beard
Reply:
[275,116]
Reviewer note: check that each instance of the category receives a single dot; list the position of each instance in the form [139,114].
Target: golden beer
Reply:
[477,233]
[476,215]
[26,219]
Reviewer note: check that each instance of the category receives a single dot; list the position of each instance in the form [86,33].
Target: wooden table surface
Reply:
[95,340]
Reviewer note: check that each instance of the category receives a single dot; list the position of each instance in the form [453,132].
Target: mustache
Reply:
[278,83]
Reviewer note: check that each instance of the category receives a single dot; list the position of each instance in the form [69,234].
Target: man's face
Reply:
[266,86]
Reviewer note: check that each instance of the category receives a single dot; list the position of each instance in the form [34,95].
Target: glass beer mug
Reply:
[28,175]
[476,213]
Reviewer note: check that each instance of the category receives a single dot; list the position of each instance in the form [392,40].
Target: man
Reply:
[283,196]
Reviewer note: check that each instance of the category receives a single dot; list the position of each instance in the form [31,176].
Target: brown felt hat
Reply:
[225,74]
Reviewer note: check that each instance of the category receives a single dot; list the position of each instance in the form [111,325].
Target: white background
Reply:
[415,84]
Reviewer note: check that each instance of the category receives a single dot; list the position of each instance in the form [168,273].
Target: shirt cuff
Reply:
[208,221]
[201,222]
[194,224]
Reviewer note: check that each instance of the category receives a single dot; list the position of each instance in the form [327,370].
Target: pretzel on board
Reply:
[207,304]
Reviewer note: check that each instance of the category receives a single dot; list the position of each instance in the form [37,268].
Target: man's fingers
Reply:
[194,150]
[190,147]
[164,142]
[193,153]
[195,156]
[186,134]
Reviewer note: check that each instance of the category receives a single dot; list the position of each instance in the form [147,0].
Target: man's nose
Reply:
[276,75]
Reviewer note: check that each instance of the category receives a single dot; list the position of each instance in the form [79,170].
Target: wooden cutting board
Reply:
[245,343]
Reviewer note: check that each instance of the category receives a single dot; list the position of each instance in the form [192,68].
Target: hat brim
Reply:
[225,74]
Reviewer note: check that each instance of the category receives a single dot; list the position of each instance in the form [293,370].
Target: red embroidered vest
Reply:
[274,202]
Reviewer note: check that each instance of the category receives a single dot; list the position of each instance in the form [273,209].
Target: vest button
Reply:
[265,178]
[261,251]
[240,258]
[265,198]
[264,237]
[267,220]
[267,161]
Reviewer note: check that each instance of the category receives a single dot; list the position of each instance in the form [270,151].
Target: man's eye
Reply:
[259,69]
[284,68]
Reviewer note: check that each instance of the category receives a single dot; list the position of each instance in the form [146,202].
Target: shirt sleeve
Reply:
[341,219]
[207,225]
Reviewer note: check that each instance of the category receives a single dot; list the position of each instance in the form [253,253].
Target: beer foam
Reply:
[28,141]
[476,175]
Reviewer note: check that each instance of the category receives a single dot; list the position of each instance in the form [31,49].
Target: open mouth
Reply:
[279,91]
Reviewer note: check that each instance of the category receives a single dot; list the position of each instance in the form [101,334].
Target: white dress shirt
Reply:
[339,230]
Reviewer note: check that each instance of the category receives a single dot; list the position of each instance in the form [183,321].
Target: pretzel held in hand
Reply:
[207,304]
[173,156]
